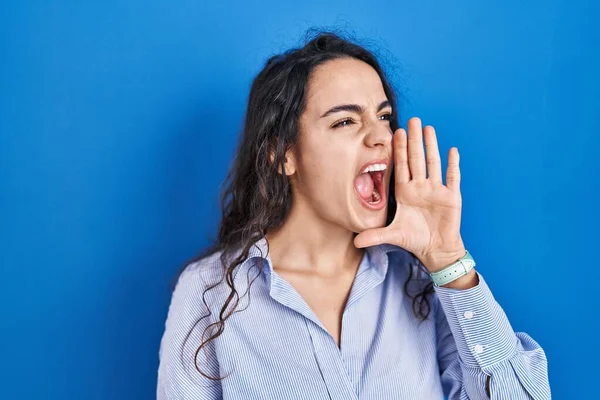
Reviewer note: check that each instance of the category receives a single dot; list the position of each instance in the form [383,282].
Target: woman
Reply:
[322,284]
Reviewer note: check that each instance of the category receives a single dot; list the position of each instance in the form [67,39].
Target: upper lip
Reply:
[385,161]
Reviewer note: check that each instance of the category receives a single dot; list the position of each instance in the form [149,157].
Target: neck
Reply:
[306,243]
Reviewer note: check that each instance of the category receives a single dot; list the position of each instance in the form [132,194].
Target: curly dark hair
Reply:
[255,197]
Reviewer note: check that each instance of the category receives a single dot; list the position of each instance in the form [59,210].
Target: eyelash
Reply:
[339,123]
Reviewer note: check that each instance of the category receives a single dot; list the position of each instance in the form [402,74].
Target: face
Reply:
[345,127]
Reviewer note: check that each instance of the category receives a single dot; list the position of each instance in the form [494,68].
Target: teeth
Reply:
[376,197]
[374,167]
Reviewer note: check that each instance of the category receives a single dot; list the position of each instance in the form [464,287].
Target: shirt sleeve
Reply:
[177,376]
[476,340]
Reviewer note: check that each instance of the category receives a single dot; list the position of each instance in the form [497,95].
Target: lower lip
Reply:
[375,207]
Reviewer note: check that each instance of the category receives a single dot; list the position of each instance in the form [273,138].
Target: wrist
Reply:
[438,262]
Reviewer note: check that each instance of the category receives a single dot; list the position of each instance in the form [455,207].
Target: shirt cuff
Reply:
[481,329]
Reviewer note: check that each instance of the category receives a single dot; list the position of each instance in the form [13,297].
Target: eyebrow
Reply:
[355,108]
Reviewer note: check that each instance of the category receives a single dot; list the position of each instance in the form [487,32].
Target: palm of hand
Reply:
[428,213]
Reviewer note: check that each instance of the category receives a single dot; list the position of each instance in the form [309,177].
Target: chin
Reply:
[371,219]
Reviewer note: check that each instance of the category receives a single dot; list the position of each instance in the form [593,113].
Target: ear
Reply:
[290,161]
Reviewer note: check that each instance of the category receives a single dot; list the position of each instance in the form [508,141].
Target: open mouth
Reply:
[370,189]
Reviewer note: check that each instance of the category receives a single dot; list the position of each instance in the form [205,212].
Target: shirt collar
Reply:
[376,255]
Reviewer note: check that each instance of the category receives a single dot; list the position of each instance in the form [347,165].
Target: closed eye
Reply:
[349,121]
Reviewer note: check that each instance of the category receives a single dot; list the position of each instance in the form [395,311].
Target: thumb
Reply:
[372,237]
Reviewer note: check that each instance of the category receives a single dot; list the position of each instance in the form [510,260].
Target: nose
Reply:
[380,134]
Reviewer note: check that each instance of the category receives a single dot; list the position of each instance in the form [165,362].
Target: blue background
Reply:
[118,120]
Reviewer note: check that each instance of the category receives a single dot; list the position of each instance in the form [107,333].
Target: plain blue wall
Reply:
[118,120]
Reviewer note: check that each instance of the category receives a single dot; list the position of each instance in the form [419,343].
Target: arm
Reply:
[177,376]
[479,354]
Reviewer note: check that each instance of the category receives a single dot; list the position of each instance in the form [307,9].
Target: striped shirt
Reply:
[275,347]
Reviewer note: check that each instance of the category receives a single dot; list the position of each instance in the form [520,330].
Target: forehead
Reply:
[345,80]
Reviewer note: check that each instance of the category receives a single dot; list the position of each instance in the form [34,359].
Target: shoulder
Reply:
[203,285]
[190,307]
[188,317]
[206,268]
[197,279]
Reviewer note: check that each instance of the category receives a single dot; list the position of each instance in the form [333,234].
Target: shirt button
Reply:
[478,349]
[469,314]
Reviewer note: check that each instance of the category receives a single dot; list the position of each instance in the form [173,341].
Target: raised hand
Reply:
[427,220]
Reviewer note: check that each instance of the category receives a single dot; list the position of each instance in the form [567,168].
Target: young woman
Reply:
[339,271]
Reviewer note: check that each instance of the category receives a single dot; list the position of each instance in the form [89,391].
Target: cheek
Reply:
[328,183]
[325,172]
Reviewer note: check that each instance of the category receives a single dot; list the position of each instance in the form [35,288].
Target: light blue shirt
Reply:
[276,347]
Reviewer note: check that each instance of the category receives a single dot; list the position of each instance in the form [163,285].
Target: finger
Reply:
[434,165]
[401,156]
[453,170]
[372,237]
[416,154]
